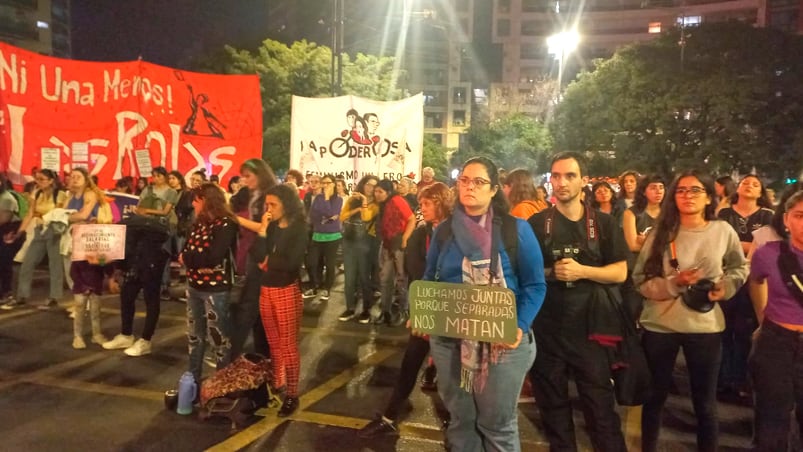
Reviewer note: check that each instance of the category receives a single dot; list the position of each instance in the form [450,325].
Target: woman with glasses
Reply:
[750,209]
[480,382]
[687,266]
[396,223]
[324,216]
[358,217]
[45,242]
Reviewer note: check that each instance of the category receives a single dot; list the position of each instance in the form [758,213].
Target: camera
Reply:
[565,252]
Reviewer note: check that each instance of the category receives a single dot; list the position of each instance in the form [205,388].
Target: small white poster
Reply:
[144,162]
[104,242]
[51,159]
[80,153]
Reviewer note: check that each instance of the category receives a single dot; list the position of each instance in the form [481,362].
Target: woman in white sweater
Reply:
[691,262]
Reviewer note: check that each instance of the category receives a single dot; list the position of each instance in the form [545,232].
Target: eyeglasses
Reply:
[690,191]
[327,183]
[476,182]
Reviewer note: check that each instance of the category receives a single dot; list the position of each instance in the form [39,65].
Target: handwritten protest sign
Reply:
[107,240]
[463,311]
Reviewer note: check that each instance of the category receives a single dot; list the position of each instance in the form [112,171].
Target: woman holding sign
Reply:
[480,382]
[86,199]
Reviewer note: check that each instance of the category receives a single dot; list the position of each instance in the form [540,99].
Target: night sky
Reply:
[171,32]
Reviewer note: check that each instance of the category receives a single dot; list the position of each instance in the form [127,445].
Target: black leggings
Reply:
[414,356]
[149,280]
[329,252]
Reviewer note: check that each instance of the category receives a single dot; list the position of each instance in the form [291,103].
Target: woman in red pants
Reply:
[280,250]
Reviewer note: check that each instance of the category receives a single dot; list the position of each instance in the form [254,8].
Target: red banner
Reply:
[116,118]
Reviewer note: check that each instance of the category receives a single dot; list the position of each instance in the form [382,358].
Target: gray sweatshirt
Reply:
[716,249]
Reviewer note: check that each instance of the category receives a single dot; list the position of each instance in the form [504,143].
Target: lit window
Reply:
[690,21]
[654,27]
[42,24]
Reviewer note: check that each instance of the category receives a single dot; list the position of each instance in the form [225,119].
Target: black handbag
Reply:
[354,230]
[632,380]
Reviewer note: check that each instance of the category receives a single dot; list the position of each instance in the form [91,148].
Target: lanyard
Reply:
[674,253]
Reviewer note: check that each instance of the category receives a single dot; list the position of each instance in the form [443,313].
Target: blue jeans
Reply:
[357,266]
[208,318]
[486,421]
[43,244]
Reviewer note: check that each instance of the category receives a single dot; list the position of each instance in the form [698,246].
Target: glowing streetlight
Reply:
[561,45]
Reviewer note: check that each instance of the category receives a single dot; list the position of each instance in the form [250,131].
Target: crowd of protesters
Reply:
[674,253]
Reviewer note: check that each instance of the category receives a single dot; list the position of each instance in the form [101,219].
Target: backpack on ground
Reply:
[238,390]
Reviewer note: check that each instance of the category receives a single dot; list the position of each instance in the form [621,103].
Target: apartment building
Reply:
[522,28]
[37,25]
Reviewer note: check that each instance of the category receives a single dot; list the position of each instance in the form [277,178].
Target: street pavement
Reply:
[55,398]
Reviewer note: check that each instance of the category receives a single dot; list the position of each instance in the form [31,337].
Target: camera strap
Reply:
[673,252]
[592,229]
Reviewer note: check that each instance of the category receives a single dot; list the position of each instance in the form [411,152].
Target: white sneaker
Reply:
[119,341]
[78,343]
[140,347]
[99,339]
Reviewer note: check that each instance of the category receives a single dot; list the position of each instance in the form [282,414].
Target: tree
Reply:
[733,102]
[436,156]
[511,141]
[302,69]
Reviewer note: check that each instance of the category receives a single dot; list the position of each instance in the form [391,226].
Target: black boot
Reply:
[288,407]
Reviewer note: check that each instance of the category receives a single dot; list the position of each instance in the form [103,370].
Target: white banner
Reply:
[351,136]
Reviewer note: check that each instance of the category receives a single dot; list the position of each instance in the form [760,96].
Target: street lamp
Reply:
[561,45]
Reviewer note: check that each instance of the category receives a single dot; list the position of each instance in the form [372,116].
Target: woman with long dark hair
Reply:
[46,241]
[479,382]
[750,209]
[396,223]
[279,250]
[257,178]
[689,264]
[208,256]
[185,214]
[637,221]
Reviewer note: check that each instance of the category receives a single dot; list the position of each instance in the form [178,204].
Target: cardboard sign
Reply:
[107,240]
[51,159]
[464,311]
[80,153]
[144,162]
